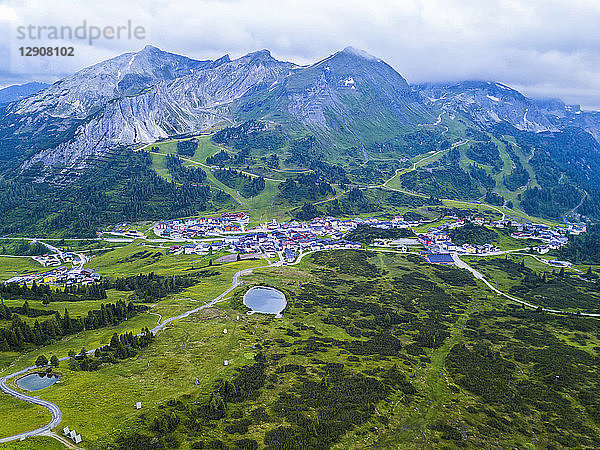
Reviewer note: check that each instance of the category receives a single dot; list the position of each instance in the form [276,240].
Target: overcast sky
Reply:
[545,48]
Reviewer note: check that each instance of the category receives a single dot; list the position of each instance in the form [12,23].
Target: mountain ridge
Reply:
[137,86]
[355,110]
[197,100]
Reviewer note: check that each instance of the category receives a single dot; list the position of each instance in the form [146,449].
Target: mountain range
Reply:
[354,105]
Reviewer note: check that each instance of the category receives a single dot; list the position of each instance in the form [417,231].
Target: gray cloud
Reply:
[545,48]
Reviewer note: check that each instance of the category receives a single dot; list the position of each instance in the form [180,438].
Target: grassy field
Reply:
[193,348]
[205,290]
[13,266]
[411,421]
[156,374]
[137,259]
[259,208]
[351,317]
[76,309]
[267,205]
[18,417]
[529,278]
[499,277]
[47,443]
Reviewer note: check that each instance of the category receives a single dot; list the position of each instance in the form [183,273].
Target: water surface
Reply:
[35,381]
[265,300]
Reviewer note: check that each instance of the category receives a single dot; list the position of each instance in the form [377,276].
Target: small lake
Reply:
[35,381]
[265,300]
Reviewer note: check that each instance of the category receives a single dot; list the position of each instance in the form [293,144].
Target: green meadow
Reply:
[358,314]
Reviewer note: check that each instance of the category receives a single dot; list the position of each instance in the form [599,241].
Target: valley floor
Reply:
[406,331]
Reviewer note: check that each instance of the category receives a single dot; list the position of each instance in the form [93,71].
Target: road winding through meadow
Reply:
[235,282]
[54,410]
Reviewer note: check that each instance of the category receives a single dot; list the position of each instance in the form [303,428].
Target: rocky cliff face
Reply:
[71,109]
[350,93]
[90,89]
[571,116]
[349,99]
[189,103]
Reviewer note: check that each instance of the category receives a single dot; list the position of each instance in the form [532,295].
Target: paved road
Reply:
[82,258]
[463,265]
[54,410]
[50,247]
[234,283]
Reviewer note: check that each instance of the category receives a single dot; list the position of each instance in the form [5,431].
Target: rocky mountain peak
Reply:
[349,90]
[222,60]
[260,55]
[150,49]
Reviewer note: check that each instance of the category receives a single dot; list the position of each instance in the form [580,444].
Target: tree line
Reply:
[151,287]
[247,185]
[123,186]
[304,187]
[121,347]
[18,334]
[44,292]
[23,248]
[183,174]
[187,148]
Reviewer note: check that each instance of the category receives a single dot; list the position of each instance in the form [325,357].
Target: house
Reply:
[469,248]
[289,254]
[438,258]
[50,279]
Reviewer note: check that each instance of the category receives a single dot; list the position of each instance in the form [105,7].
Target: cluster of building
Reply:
[59,276]
[56,259]
[229,232]
[553,237]
[204,226]
[124,230]
[270,239]
[438,242]
[287,243]
[236,223]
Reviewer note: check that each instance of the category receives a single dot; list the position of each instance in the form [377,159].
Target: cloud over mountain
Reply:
[543,48]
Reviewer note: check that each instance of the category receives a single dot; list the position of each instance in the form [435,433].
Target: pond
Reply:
[36,381]
[266,300]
